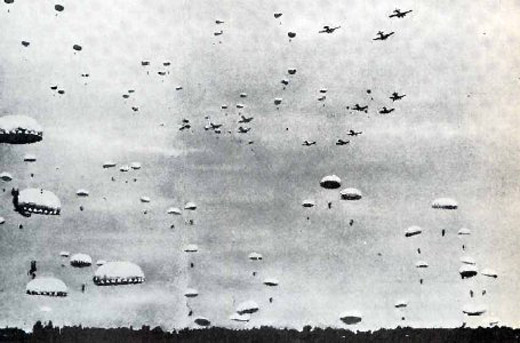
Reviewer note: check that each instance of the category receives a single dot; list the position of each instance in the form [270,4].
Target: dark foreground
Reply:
[48,333]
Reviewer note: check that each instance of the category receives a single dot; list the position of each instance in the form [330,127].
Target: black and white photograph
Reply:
[259,171]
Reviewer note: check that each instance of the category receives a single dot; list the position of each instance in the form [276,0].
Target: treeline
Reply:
[77,334]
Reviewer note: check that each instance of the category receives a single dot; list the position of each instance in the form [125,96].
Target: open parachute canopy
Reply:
[254,256]
[240,317]
[351,194]
[464,232]
[474,309]
[46,286]
[445,204]
[249,306]
[468,271]
[308,203]
[118,273]
[413,231]
[80,260]
[18,129]
[5,176]
[35,201]
[330,182]
[191,293]
[350,317]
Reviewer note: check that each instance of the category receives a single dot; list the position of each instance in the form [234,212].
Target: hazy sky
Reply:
[454,134]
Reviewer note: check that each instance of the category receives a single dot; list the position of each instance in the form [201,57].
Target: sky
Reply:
[453,135]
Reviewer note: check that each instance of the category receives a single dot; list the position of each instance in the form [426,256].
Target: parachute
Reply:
[118,273]
[240,317]
[254,256]
[35,201]
[46,286]
[145,199]
[308,203]
[291,34]
[467,260]
[191,248]
[135,165]
[202,321]
[291,71]
[271,282]
[350,317]
[29,158]
[174,210]
[82,193]
[330,182]
[64,253]
[413,231]
[191,293]
[421,264]
[350,194]
[59,8]
[80,260]
[467,271]
[474,310]
[247,307]
[243,95]
[401,304]
[445,204]
[2,220]
[5,176]
[277,101]
[464,232]
[77,47]
[190,206]
[109,164]
[17,129]
[124,168]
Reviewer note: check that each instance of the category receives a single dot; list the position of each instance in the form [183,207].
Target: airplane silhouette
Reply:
[385,110]
[245,120]
[328,29]
[307,143]
[354,133]
[383,36]
[342,142]
[218,33]
[360,108]
[243,130]
[395,96]
[398,14]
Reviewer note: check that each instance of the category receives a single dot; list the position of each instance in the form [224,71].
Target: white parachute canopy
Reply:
[5,176]
[271,282]
[489,273]
[190,206]
[249,306]
[445,204]
[351,194]
[64,253]
[29,158]
[82,193]
[191,293]
[135,165]
[350,317]
[464,232]
[38,197]
[46,285]
[202,321]
[174,210]
[467,260]
[330,182]
[240,317]
[2,220]
[191,248]
[401,304]
[474,309]
[413,230]
[109,164]
[254,256]
[145,199]
[308,203]
[124,168]
[119,270]
[14,122]
[421,264]
[81,259]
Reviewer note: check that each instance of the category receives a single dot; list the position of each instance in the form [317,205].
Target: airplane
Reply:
[354,133]
[360,108]
[243,130]
[245,120]
[307,143]
[218,33]
[342,142]
[398,14]
[328,29]
[383,36]
[386,110]
[395,96]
